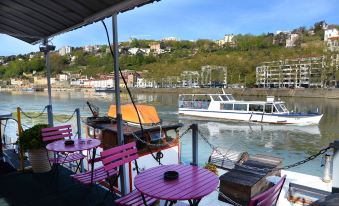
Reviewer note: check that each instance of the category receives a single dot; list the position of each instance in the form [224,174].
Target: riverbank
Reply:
[281,92]
[305,92]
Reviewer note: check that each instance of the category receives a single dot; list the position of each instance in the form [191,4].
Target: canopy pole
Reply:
[48,67]
[120,134]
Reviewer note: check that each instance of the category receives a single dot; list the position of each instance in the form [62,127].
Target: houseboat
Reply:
[157,141]
[224,106]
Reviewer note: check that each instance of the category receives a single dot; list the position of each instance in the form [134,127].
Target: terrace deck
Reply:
[29,189]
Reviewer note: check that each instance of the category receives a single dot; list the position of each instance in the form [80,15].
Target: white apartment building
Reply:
[102,83]
[65,50]
[291,40]
[143,83]
[16,82]
[295,73]
[331,31]
[333,44]
[63,77]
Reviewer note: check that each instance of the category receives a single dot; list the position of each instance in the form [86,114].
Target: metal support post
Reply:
[77,111]
[335,168]
[122,169]
[48,67]
[1,137]
[50,115]
[194,128]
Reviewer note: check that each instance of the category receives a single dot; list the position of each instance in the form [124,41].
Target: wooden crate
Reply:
[241,184]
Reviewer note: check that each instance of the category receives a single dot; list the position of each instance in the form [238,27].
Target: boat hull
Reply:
[291,118]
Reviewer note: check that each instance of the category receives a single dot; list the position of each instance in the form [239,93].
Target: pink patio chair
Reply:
[117,156]
[270,196]
[51,134]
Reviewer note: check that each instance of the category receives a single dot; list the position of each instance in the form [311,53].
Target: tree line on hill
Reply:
[240,60]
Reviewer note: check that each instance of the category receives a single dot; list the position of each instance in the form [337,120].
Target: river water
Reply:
[293,143]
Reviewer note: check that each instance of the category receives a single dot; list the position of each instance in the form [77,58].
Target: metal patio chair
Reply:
[270,196]
[117,156]
[51,134]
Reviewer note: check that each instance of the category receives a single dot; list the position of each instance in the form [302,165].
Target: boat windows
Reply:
[240,107]
[156,137]
[284,107]
[216,98]
[226,106]
[224,98]
[268,108]
[256,107]
[230,97]
[278,107]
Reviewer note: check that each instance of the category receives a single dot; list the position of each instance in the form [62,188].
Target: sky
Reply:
[195,19]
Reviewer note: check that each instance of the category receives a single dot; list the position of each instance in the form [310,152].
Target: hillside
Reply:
[240,58]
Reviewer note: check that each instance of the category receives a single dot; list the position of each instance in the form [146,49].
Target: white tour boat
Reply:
[224,106]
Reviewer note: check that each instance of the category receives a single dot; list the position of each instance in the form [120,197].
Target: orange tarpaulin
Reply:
[148,114]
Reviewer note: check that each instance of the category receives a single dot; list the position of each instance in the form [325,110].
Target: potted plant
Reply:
[31,141]
[211,167]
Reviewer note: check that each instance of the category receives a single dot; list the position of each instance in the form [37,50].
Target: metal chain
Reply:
[159,145]
[312,157]
[33,117]
[227,198]
[67,120]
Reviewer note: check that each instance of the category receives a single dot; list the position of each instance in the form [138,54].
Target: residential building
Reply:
[40,80]
[331,31]
[91,48]
[144,83]
[228,40]
[107,82]
[292,40]
[170,39]
[65,50]
[295,73]
[332,44]
[63,77]
[155,46]
[16,82]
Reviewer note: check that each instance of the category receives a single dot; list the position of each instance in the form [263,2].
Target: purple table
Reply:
[79,145]
[193,183]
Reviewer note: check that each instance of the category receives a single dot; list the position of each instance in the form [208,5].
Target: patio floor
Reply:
[29,189]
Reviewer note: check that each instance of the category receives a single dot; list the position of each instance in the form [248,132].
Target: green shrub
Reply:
[31,138]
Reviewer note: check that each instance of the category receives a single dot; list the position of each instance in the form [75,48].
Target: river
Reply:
[293,143]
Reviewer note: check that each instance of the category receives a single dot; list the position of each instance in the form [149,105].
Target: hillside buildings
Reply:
[228,40]
[65,50]
[331,31]
[310,72]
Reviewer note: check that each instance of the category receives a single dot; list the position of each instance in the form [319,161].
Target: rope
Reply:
[312,157]
[67,120]
[33,117]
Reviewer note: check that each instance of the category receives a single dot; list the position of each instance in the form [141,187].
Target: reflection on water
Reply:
[293,143]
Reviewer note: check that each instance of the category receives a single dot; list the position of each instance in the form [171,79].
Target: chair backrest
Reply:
[270,196]
[117,156]
[56,133]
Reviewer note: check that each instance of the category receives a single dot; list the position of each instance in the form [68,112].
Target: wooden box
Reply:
[241,184]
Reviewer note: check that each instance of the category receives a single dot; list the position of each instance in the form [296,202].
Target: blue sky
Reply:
[194,19]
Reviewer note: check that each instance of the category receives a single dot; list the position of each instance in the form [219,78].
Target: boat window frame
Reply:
[234,107]
[256,109]
[217,97]
[230,97]
[277,108]
[271,105]
[222,106]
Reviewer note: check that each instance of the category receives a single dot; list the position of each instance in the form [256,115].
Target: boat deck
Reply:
[29,189]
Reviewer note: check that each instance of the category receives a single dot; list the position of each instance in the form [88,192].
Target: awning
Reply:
[34,20]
